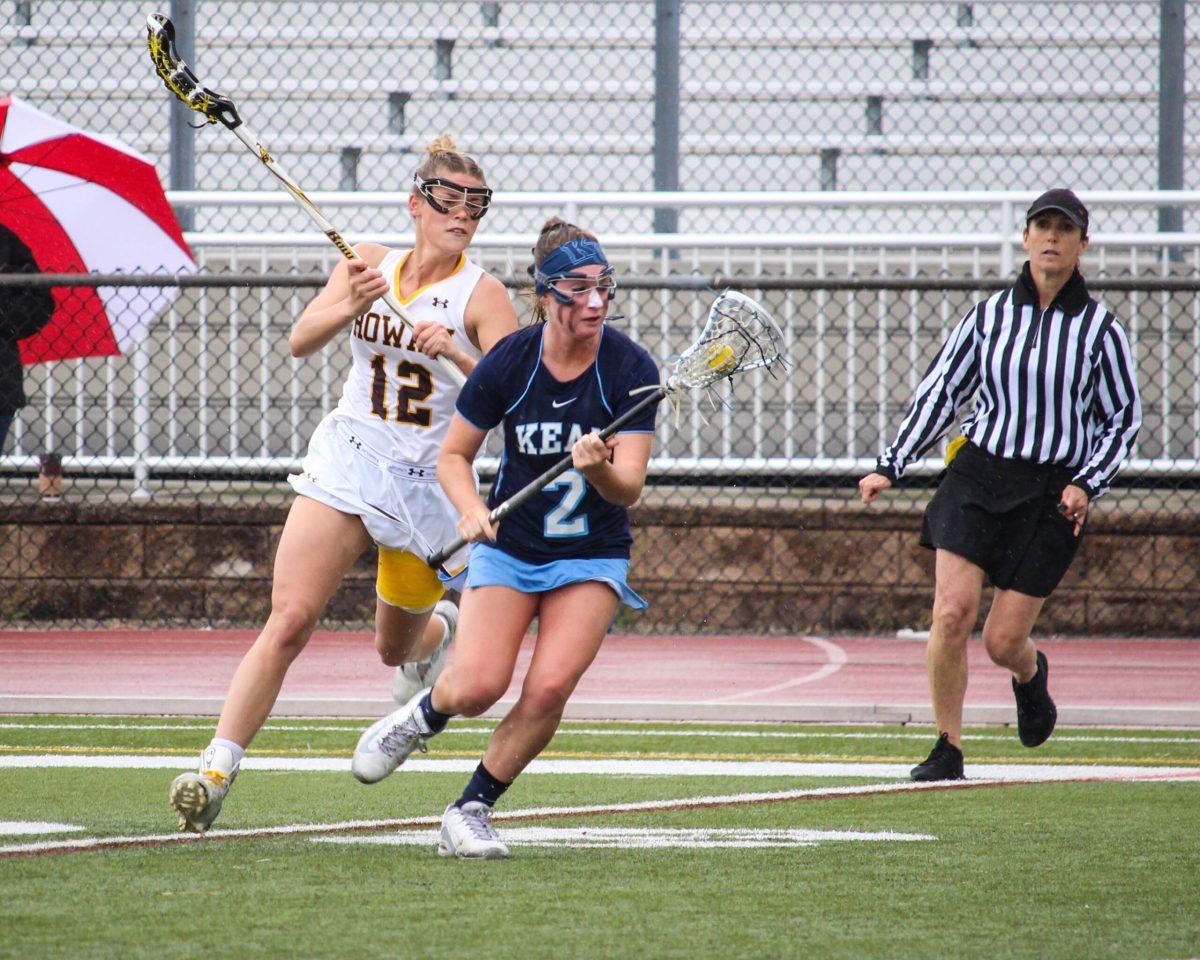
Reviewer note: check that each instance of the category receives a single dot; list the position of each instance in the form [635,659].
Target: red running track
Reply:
[852,679]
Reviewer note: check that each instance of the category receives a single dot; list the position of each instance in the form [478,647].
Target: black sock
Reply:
[483,788]
[434,719]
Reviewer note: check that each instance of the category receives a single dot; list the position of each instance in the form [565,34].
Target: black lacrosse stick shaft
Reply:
[436,560]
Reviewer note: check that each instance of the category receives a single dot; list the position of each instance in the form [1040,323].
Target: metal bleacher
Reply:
[800,96]
[827,97]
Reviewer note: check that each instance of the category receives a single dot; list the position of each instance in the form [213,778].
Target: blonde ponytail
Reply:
[442,154]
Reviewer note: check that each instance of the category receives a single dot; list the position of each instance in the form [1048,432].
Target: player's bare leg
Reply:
[492,625]
[414,623]
[572,623]
[318,547]
[402,636]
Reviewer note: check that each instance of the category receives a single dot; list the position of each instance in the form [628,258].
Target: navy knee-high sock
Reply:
[435,720]
[483,788]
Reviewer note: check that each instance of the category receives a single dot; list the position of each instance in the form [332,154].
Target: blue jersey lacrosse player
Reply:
[562,556]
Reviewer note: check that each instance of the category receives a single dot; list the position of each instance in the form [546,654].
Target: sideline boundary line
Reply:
[1187,716]
[53,847]
[318,760]
[664,729]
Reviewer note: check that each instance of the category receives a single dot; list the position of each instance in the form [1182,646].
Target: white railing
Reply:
[201,395]
[992,221]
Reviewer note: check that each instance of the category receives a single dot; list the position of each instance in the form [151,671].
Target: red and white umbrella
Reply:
[85,203]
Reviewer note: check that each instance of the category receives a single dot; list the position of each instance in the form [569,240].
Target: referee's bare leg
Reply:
[1007,629]
[958,587]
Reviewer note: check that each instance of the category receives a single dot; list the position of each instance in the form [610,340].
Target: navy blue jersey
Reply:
[543,418]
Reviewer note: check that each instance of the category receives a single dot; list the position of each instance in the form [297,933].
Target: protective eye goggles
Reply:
[557,276]
[569,287]
[446,195]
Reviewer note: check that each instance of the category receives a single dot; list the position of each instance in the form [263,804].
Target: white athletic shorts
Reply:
[402,505]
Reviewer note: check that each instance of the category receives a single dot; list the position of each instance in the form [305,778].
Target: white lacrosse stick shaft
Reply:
[180,80]
[327,228]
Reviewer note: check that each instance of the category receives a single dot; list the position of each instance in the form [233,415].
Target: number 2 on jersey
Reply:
[556,523]
[419,387]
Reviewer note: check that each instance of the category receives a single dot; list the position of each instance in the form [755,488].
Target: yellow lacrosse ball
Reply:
[721,358]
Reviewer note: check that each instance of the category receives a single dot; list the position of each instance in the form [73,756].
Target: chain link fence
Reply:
[173,459]
[147,486]
[637,94]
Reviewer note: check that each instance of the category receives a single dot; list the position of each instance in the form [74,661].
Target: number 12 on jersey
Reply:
[419,387]
[559,522]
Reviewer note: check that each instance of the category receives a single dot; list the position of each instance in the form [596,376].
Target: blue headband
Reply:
[562,260]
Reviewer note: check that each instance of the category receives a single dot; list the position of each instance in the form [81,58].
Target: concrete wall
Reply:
[703,570]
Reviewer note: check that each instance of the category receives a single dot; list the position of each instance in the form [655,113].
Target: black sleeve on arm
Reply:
[948,384]
[23,310]
[1117,412]
[885,470]
[1086,488]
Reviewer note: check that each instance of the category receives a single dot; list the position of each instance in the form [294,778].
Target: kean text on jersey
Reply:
[539,439]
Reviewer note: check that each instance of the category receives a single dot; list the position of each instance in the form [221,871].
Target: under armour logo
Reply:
[416,472]
[443,303]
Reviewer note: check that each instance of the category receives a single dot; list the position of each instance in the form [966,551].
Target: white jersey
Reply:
[400,400]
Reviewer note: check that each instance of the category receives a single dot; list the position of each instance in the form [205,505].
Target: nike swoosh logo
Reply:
[555,404]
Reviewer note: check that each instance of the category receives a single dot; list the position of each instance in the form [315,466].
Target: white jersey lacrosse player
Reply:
[375,455]
[370,474]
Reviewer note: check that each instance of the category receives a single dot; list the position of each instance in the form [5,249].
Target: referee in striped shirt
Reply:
[1056,411]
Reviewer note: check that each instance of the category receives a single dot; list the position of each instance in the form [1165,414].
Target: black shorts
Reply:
[1002,515]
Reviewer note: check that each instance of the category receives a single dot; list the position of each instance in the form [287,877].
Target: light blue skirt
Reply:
[492,567]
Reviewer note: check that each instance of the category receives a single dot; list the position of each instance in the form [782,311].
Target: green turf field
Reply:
[766,866]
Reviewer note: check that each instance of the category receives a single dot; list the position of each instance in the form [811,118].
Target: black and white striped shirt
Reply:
[1054,386]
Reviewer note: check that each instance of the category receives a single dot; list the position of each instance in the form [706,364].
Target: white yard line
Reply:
[590,710]
[644,838]
[540,813]
[12,828]
[274,727]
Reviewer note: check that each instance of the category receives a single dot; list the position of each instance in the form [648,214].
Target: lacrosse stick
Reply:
[740,335]
[216,108]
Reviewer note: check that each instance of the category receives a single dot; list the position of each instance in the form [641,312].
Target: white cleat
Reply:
[387,743]
[467,833]
[197,797]
[418,675]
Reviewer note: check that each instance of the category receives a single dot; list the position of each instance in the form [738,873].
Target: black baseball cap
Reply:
[1063,201]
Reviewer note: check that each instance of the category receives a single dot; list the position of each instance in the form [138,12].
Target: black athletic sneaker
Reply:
[945,762]
[1036,713]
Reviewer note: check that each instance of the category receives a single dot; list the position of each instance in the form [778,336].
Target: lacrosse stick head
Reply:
[160,38]
[740,335]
